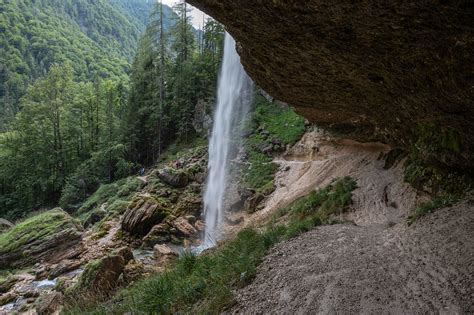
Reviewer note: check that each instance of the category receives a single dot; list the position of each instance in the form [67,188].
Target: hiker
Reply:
[142,171]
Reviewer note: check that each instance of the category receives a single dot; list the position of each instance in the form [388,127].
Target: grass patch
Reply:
[280,125]
[114,194]
[431,206]
[280,121]
[260,171]
[204,284]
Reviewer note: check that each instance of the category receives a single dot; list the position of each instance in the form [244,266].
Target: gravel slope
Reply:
[370,269]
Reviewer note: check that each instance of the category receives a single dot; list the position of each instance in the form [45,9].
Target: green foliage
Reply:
[80,125]
[98,37]
[65,139]
[35,228]
[425,176]
[318,206]
[425,168]
[281,121]
[260,171]
[281,124]
[428,207]
[204,284]
[89,274]
[115,194]
[170,76]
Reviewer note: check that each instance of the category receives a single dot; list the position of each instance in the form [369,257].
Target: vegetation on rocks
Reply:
[37,237]
[271,127]
[430,174]
[204,284]
[36,227]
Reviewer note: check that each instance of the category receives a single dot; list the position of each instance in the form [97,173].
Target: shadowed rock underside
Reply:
[386,71]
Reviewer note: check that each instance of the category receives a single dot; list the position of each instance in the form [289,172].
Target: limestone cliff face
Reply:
[396,71]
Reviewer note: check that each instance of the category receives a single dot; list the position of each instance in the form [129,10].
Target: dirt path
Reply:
[426,268]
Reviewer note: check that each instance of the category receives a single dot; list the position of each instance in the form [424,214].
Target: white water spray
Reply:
[233,102]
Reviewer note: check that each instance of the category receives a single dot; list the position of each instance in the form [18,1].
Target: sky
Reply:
[195,13]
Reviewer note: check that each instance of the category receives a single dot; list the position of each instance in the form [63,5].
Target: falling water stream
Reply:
[233,102]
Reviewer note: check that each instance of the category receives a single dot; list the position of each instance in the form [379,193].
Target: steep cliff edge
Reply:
[397,71]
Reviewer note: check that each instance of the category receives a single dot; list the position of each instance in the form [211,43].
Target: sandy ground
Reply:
[427,268]
[374,265]
[381,197]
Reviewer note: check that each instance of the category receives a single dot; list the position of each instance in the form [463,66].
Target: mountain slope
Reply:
[139,11]
[99,38]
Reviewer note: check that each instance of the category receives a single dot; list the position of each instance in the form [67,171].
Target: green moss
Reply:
[78,291]
[116,195]
[89,274]
[435,179]
[427,166]
[118,206]
[281,124]
[260,171]
[280,121]
[438,140]
[35,228]
[320,205]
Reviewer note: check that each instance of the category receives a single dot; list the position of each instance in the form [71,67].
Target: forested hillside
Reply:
[139,10]
[84,121]
[99,38]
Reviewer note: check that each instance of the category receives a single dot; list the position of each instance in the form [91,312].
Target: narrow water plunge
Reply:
[233,103]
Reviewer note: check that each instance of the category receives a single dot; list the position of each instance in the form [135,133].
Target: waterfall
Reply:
[233,101]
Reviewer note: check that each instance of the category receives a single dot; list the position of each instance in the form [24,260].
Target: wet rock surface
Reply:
[164,254]
[49,303]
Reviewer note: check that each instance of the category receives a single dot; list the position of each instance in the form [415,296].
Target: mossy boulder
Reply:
[143,213]
[174,178]
[51,236]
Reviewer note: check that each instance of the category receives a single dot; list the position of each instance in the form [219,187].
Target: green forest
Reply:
[90,94]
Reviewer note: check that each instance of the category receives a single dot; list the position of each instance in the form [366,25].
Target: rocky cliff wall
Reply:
[394,71]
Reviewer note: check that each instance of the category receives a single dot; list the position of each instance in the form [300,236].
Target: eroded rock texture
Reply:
[396,71]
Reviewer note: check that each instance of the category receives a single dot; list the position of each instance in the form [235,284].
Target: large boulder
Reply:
[49,303]
[184,227]
[164,254]
[50,236]
[160,233]
[174,178]
[143,213]
[399,72]
[101,276]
